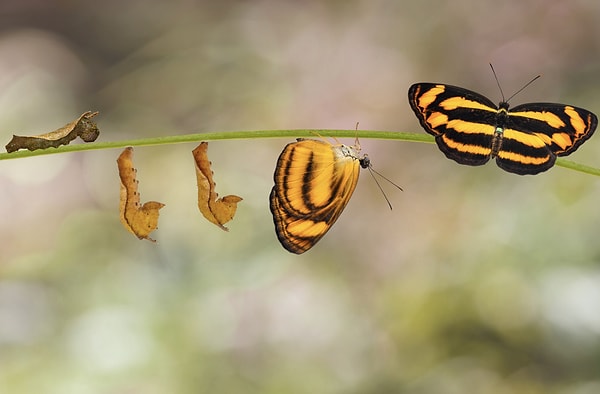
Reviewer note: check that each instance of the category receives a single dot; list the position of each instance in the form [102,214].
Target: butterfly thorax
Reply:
[502,117]
[354,153]
[349,151]
[502,120]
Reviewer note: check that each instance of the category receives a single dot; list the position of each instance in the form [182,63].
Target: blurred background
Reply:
[478,280]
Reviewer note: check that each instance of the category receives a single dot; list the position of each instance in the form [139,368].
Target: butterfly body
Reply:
[470,129]
[314,181]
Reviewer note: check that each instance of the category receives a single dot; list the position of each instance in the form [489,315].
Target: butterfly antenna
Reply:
[517,92]
[527,84]
[373,173]
[498,83]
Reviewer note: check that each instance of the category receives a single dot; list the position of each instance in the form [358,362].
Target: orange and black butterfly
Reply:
[314,181]
[470,129]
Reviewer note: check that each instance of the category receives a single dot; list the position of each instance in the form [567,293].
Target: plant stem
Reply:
[230,135]
[253,134]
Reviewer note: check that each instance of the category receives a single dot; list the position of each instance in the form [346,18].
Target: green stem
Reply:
[578,167]
[230,135]
[237,135]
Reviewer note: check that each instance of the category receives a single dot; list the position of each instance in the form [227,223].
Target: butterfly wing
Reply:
[461,120]
[536,133]
[524,153]
[314,181]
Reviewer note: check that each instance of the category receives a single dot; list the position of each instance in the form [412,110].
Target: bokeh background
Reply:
[477,281]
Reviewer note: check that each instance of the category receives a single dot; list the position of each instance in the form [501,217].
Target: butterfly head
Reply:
[365,161]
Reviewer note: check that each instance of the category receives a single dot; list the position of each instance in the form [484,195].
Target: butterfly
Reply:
[470,129]
[314,181]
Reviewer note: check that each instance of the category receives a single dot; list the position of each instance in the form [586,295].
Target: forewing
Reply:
[562,127]
[461,120]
